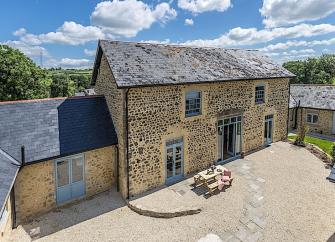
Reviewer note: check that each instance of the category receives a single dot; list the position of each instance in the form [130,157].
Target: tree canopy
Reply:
[319,70]
[20,77]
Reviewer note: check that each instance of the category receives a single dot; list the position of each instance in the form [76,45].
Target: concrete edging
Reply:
[156,214]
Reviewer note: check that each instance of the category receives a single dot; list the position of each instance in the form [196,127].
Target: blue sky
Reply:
[66,32]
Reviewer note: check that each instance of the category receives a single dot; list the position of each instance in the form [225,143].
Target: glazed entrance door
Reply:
[69,178]
[174,160]
[268,129]
[229,137]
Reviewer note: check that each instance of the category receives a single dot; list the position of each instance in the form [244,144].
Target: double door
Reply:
[174,160]
[69,178]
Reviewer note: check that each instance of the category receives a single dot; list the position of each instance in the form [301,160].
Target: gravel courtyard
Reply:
[279,194]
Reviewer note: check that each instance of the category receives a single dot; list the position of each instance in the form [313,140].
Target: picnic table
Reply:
[209,176]
[208,179]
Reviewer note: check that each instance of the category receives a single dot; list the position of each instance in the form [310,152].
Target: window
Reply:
[259,94]
[192,103]
[312,118]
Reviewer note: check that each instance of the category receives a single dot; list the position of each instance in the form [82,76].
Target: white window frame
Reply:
[313,115]
[196,101]
[260,94]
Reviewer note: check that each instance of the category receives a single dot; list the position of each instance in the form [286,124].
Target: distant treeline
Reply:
[21,78]
[318,70]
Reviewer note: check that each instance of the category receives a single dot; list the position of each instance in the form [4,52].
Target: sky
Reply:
[64,33]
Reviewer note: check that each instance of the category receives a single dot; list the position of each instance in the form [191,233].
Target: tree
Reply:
[62,86]
[319,70]
[20,77]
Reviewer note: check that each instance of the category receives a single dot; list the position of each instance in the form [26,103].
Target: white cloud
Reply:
[127,18]
[200,6]
[297,43]
[284,12]
[28,50]
[69,33]
[163,42]
[89,52]
[68,62]
[249,36]
[189,21]
[20,31]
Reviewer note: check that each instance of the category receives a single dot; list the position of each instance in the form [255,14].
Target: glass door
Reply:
[174,160]
[268,129]
[229,137]
[69,178]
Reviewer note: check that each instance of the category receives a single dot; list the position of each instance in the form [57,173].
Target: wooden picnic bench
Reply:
[210,180]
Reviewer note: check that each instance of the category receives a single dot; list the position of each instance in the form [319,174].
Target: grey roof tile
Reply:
[55,127]
[313,96]
[144,64]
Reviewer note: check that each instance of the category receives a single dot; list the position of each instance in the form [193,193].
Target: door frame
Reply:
[333,127]
[174,178]
[266,123]
[69,159]
[234,137]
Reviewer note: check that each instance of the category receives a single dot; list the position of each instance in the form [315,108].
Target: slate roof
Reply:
[55,127]
[313,96]
[8,171]
[145,64]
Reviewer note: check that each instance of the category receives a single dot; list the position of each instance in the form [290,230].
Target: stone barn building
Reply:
[163,112]
[178,109]
[313,105]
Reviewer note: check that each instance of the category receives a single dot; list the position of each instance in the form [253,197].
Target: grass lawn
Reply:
[325,145]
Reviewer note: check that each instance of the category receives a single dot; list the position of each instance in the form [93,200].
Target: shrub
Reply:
[332,153]
[300,140]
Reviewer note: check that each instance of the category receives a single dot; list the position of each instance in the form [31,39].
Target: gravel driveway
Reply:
[279,194]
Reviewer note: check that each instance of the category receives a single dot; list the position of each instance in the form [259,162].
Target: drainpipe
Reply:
[23,156]
[127,144]
[12,197]
[117,168]
[288,110]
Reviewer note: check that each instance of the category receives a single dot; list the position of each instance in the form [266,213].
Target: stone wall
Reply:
[100,170]
[106,85]
[156,114]
[324,124]
[35,188]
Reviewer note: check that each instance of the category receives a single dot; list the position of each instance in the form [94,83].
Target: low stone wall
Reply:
[35,187]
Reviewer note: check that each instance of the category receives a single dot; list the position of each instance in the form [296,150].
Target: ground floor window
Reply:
[312,118]
[69,178]
[229,137]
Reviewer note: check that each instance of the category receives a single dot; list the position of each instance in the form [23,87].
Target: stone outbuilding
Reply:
[52,152]
[179,109]
[313,105]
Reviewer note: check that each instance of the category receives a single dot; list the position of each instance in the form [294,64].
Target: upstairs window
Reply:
[259,94]
[312,118]
[192,103]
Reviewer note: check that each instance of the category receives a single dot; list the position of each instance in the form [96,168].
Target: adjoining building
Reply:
[313,105]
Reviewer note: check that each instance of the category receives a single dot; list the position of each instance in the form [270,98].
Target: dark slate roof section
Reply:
[8,171]
[313,96]
[145,64]
[55,127]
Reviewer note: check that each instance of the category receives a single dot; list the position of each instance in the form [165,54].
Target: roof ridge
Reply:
[47,99]
[176,45]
